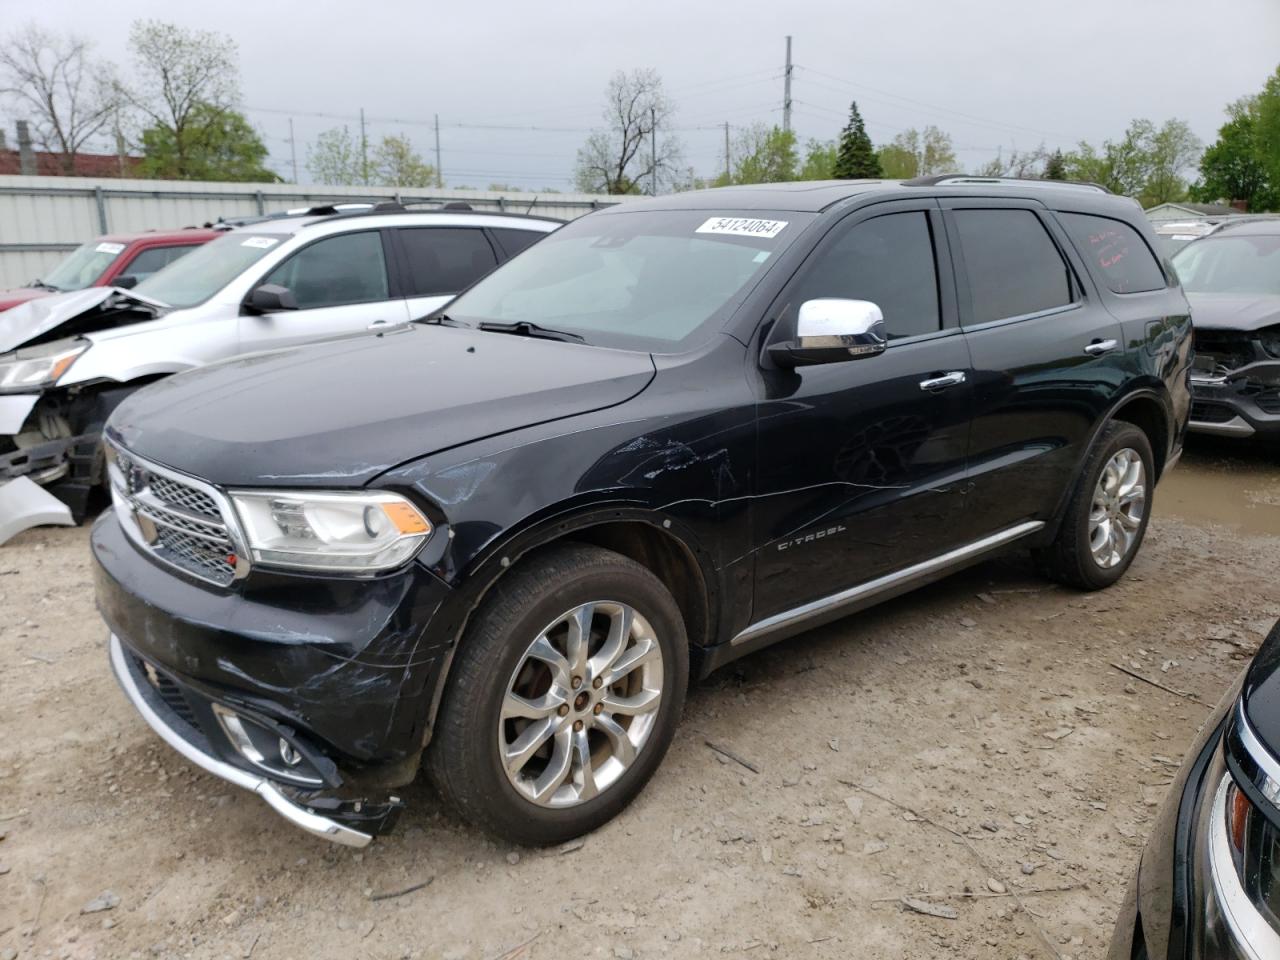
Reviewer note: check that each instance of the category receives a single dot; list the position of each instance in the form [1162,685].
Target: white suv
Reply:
[66,361]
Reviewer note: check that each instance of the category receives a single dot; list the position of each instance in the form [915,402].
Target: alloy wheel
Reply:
[1119,503]
[581,704]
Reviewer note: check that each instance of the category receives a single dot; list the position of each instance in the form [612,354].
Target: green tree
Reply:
[185,81]
[1055,168]
[764,155]
[1267,126]
[820,161]
[1173,149]
[856,157]
[218,144]
[334,159]
[1148,163]
[918,153]
[1233,168]
[396,164]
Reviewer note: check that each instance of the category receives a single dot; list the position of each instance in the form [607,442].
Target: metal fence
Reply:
[41,218]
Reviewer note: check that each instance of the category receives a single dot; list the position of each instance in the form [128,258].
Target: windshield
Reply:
[1242,265]
[206,270]
[648,280]
[84,266]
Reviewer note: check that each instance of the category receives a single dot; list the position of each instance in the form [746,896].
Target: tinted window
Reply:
[1012,264]
[513,241]
[889,261]
[1116,251]
[445,259]
[153,259]
[344,269]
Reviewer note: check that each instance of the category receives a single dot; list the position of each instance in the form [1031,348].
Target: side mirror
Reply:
[125,283]
[271,298]
[829,331]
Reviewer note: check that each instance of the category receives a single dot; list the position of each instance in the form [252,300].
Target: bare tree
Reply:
[184,80]
[622,157]
[70,96]
[1023,164]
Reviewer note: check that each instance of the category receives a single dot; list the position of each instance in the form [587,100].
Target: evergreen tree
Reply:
[1055,167]
[856,158]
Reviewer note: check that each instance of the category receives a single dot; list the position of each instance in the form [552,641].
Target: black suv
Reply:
[501,541]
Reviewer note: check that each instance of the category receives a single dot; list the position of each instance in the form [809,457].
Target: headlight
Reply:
[360,532]
[1270,339]
[25,370]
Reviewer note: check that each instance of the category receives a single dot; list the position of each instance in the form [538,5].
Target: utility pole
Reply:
[293,151]
[364,151]
[728,168]
[439,171]
[786,92]
[653,149]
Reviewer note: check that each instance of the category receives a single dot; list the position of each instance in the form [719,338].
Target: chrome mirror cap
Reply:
[853,325]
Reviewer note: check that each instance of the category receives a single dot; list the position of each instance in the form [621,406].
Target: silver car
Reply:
[67,360]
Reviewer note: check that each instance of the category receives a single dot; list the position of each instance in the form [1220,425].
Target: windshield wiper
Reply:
[41,285]
[523,328]
[440,320]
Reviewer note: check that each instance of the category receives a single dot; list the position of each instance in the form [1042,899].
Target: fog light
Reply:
[288,754]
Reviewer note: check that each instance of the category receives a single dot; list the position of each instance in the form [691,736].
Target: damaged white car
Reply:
[66,361]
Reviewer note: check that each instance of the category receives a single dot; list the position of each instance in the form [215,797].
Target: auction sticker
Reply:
[743,227]
[262,242]
[111,248]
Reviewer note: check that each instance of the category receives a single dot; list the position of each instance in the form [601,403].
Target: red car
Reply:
[114,260]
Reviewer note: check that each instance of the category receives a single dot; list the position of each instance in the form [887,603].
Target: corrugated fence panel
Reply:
[41,218]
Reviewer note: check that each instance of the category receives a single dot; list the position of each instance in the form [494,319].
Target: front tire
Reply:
[1106,519]
[564,696]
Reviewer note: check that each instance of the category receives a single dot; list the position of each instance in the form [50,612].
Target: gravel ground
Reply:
[970,748]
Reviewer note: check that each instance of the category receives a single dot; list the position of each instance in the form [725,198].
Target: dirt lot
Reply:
[987,704]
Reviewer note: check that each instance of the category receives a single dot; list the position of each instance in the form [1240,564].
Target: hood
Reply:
[94,308]
[340,413]
[1229,311]
[11,298]
[1262,692]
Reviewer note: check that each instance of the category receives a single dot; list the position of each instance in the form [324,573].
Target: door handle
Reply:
[1099,347]
[376,324]
[953,379]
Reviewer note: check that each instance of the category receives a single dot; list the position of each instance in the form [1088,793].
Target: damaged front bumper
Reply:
[1235,385]
[26,470]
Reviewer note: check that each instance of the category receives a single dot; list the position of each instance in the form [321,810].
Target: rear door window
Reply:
[1012,264]
[152,259]
[348,268]
[1115,251]
[444,260]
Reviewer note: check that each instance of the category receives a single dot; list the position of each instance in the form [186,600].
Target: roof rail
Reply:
[961,180]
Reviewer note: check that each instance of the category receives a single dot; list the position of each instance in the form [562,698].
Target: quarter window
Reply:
[348,268]
[445,259]
[1013,265]
[888,260]
[1116,251]
[513,241]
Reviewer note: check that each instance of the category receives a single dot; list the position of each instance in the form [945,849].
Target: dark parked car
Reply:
[1232,280]
[115,260]
[671,433]
[1208,884]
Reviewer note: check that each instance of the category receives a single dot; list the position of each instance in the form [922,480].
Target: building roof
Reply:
[86,164]
[1202,209]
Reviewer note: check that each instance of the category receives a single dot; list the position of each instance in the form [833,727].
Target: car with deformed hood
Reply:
[1207,885]
[1232,280]
[112,260]
[66,361]
[499,543]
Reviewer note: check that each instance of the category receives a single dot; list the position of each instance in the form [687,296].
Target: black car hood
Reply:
[340,413]
[1227,311]
[1262,692]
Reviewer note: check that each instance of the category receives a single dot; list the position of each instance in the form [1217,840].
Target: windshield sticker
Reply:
[262,242]
[111,248]
[762,256]
[743,227]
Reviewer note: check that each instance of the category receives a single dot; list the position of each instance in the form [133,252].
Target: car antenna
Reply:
[532,203]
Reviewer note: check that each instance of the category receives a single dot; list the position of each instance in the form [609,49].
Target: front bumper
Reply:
[191,743]
[1239,405]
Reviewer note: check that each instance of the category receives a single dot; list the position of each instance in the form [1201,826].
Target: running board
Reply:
[900,580]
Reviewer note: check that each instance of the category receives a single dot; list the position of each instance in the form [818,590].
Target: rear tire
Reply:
[565,693]
[1106,518]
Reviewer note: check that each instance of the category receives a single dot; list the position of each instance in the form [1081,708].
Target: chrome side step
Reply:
[899,579]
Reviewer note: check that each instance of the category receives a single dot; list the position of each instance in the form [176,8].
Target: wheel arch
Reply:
[1150,413]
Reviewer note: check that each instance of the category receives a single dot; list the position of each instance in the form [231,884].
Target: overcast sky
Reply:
[991,73]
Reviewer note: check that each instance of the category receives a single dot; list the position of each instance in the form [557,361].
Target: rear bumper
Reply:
[192,744]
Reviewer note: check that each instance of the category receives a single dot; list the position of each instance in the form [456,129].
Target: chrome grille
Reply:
[178,522]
